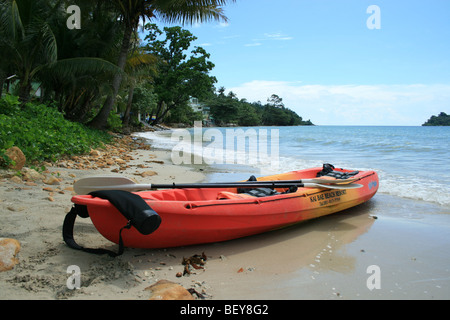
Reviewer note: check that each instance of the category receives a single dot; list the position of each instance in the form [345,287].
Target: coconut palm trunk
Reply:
[101,118]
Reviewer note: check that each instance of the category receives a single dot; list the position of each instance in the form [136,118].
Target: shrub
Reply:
[42,132]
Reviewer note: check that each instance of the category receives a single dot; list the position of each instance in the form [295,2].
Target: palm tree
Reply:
[132,12]
[81,77]
[29,31]
[140,66]
[27,39]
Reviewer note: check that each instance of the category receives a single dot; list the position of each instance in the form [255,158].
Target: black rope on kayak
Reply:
[137,212]
[68,225]
[121,246]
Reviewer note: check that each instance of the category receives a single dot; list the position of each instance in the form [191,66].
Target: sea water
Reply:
[412,162]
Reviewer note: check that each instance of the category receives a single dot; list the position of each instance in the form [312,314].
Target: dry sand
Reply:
[327,258]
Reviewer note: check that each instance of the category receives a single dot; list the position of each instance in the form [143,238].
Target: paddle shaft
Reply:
[237,185]
[322,181]
[138,187]
[88,185]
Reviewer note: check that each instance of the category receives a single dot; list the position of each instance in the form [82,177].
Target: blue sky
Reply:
[328,66]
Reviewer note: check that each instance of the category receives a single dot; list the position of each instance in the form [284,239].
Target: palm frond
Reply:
[190,11]
[81,66]
[10,21]
[139,59]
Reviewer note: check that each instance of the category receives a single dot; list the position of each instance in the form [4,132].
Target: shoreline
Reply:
[325,258]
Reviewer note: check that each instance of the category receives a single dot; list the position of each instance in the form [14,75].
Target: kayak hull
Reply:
[195,216]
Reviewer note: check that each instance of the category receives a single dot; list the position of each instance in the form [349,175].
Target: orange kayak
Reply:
[204,215]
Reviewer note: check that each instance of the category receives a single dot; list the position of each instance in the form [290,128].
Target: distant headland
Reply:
[442,119]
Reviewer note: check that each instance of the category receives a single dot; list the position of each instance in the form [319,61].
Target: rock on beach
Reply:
[168,290]
[16,155]
[9,248]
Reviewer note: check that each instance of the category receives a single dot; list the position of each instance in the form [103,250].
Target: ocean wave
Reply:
[416,189]
[158,139]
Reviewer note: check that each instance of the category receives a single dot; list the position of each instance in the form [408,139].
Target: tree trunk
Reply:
[160,106]
[126,117]
[100,120]
[163,115]
[162,112]
[2,82]
[24,92]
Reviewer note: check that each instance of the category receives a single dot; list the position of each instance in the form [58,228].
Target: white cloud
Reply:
[253,44]
[277,36]
[222,25]
[409,104]
[219,25]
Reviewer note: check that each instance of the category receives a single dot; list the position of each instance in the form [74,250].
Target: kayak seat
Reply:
[224,195]
[328,171]
[252,193]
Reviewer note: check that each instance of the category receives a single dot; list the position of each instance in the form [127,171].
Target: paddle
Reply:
[87,185]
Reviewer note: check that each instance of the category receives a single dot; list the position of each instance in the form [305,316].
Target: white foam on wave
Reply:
[158,139]
[415,188]
[408,187]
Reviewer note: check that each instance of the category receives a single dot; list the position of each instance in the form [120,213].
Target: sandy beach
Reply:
[327,258]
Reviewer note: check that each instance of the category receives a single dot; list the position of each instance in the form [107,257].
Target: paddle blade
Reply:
[334,186]
[331,181]
[344,186]
[89,184]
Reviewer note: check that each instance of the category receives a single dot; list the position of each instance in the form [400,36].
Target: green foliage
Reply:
[249,115]
[42,133]
[27,39]
[144,100]
[442,119]
[114,122]
[224,109]
[180,76]
[9,104]
[81,69]
[228,109]
[273,116]
[183,114]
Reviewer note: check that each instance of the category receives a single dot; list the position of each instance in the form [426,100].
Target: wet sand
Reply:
[326,258]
